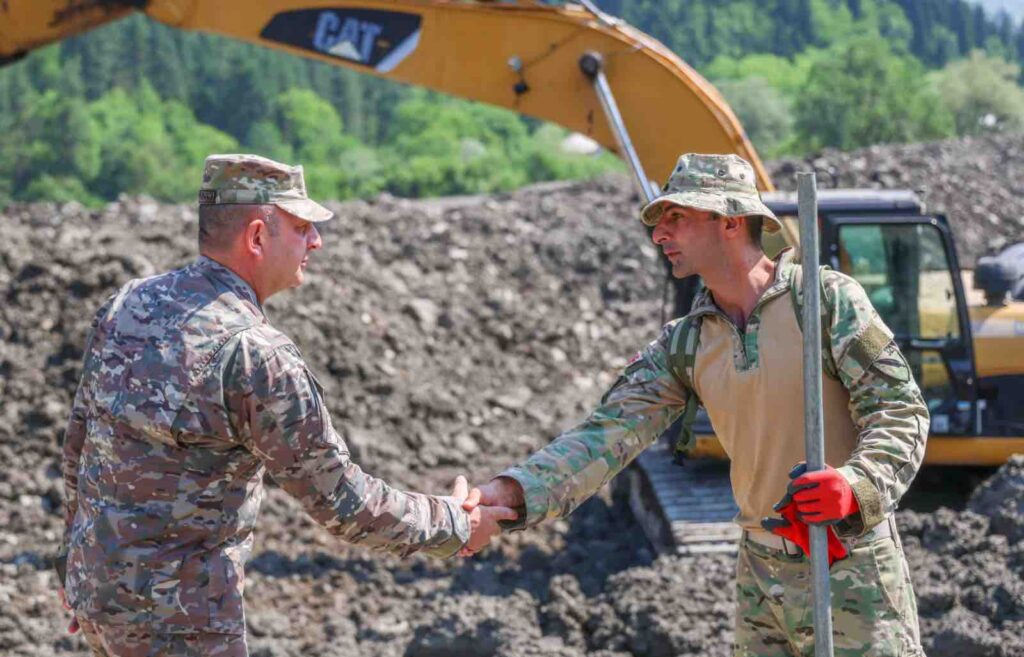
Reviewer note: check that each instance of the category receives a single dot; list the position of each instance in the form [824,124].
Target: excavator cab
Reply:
[907,264]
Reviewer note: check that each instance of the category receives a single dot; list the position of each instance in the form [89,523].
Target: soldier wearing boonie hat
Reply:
[739,353]
[255,180]
[191,395]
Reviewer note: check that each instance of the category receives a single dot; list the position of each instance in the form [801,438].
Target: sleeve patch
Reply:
[870,344]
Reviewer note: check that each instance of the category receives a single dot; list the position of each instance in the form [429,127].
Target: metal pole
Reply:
[814,423]
[592,65]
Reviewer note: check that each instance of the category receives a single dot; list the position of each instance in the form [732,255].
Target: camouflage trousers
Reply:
[874,611]
[141,641]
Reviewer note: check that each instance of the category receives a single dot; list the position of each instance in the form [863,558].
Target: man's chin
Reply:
[680,272]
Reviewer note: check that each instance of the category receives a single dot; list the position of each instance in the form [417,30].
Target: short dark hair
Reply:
[755,227]
[220,224]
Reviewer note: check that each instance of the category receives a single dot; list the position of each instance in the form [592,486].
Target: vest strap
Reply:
[682,357]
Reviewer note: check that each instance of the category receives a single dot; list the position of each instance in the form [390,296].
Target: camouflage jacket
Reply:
[188,395]
[886,407]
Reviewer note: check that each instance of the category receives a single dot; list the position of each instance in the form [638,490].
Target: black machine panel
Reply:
[372,38]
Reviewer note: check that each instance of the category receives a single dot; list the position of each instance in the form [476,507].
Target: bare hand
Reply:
[500,491]
[73,625]
[483,520]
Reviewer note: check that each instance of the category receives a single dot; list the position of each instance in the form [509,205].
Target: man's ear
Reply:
[255,236]
[733,226]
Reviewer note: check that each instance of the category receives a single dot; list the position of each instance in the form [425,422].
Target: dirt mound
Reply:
[1001,499]
[451,335]
[975,182]
[967,571]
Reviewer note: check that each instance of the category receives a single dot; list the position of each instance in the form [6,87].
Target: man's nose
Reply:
[658,235]
[316,241]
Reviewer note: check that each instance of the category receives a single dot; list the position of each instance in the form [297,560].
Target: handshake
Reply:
[487,505]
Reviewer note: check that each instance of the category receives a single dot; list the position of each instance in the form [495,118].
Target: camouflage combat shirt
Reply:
[885,404]
[188,395]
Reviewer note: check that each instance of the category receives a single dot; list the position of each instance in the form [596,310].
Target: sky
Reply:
[1013,7]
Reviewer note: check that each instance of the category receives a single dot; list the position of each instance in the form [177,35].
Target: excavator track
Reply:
[684,509]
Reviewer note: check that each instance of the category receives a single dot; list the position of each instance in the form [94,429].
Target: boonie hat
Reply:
[251,179]
[723,184]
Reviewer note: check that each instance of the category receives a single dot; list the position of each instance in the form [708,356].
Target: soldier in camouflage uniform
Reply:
[744,364]
[188,396]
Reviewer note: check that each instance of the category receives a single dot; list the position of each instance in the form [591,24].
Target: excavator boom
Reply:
[524,56]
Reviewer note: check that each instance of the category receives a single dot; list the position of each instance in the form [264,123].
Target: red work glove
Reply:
[792,529]
[821,498]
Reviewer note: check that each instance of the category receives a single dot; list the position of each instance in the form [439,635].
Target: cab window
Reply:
[906,274]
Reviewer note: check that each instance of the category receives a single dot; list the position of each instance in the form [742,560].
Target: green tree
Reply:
[942,46]
[893,26]
[786,75]
[982,93]
[763,111]
[859,93]
[266,139]
[313,131]
[363,172]
[548,159]
[445,146]
[135,146]
[55,137]
[166,71]
[44,67]
[310,125]
[833,21]
[151,146]
[61,189]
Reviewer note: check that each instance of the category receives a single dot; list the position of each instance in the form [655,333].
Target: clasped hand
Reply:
[486,506]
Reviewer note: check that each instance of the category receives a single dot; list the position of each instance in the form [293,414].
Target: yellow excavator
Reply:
[572,64]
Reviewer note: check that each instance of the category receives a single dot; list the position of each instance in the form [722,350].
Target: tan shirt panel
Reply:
[758,413]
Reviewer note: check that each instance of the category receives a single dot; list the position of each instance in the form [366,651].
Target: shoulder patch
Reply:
[869,345]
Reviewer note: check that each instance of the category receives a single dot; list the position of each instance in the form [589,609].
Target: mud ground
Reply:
[456,336]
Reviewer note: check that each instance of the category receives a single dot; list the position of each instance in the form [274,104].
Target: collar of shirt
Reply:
[226,278]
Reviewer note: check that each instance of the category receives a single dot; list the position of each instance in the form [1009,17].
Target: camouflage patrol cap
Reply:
[251,179]
[723,184]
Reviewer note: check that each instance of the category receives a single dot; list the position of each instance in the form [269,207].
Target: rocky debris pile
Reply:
[1001,499]
[968,570]
[451,335]
[978,183]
